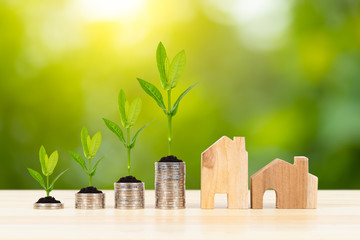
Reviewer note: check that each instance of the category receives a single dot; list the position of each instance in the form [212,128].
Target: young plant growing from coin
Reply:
[129,113]
[170,73]
[48,164]
[90,147]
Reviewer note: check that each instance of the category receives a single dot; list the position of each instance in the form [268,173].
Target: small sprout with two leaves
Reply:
[128,115]
[90,148]
[169,76]
[48,165]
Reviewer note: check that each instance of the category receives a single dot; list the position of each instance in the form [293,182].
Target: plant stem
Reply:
[47,186]
[169,122]
[128,150]
[90,184]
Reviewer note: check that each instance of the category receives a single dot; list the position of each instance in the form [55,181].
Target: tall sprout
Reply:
[170,73]
[128,115]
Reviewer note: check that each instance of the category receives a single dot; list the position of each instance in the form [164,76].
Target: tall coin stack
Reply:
[170,185]
[89,200]
[129,195]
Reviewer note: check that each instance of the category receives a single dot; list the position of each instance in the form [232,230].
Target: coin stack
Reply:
[170,185]
[48,206]
[129,195]
[89,200]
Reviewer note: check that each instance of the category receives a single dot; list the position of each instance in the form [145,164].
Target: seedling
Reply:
[128,115]
[48,165]
[90,148]
[169,76]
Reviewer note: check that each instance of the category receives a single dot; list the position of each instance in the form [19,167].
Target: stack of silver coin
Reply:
[48,206]
[89,200]
[129,195]
[170,185]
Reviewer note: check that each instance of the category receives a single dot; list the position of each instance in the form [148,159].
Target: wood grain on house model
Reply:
[224,169]
[294,186]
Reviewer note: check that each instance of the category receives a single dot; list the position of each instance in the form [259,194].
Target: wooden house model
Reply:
[295,187]
[224,169]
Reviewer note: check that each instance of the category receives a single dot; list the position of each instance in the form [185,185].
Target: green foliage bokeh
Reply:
[284,74]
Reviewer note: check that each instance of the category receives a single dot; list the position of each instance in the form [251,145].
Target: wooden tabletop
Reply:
[337,217]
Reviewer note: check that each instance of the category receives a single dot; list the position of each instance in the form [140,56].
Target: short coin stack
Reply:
[48,206]
[170,185]
[129,195]
[89,200]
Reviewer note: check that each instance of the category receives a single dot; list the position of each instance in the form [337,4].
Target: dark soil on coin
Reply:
[170,158]
[128,179]
[48,200]
[90,190]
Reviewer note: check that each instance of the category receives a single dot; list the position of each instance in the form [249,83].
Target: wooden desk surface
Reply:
[337,217]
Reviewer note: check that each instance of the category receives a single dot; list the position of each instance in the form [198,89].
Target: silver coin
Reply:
[170,202]
[172,188]
[171,192]
[168,197]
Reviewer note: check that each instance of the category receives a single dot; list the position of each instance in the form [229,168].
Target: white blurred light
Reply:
[262,23]
[250,10]
[105,10]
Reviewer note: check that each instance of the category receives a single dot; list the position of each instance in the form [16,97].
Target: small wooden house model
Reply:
[295,187]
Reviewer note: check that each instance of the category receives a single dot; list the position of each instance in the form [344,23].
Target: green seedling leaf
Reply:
[136,135]
[79,160]
[127,112]
[95,166]
[51,187]
[51,162]
[176,104]
[134,111]
[176,68]
[88,141]
[115,129]
[167,67]
[37,176]
[122,103]
[95,144]
[42,157]
[161,64]
[153,92]
[84,136]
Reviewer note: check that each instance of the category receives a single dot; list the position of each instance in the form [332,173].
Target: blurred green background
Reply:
[284,74]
